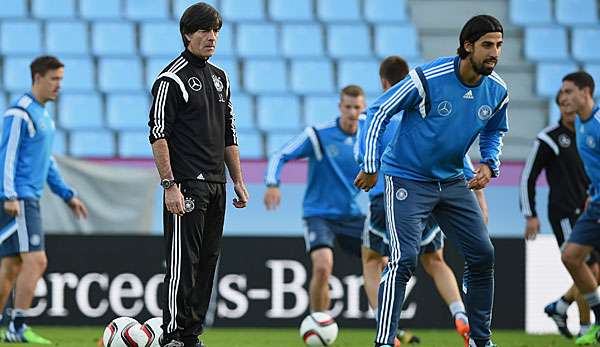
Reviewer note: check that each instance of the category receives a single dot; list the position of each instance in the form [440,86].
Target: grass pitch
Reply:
[221,337]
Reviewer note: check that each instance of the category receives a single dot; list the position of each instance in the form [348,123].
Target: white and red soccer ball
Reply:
[128,332]
[318,329]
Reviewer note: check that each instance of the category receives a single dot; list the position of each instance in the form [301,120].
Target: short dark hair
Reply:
[352,90]
[474,29]
[393,69]
[200,16]
[581,79]
[41,65]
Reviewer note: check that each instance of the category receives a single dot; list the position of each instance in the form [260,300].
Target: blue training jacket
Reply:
[588,145]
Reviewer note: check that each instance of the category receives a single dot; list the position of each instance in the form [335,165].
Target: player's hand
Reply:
[174,200]
[11,207]
[532,228]
[272,198]
[365,181]
[78,208]
[242,195]
[483,175]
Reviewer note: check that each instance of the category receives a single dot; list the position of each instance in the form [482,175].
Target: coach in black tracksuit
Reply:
[193,135]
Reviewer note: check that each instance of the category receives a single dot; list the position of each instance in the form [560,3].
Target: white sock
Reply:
[457,307]
[562,306]
[583,328]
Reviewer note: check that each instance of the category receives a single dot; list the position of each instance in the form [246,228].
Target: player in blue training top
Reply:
[330,210]
[26,165]
[577,93]
[447,103]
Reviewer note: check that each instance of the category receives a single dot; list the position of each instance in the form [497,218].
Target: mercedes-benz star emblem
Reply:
[444,108]
[195,83]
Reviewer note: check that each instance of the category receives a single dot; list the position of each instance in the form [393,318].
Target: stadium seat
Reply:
[119,75]
[79,75]
[348,40]
[97,143]
[312,76]
[364,73]
[52,9]
[179,6]
[278,112]
[257,40]
[111,38]
[546,43]
[3,104]
[382,11]
[75,31]
[231,68]
[594,70]
[399,40]
[243,107]
[576,12]
[160,39]
[243,10]
[127,111]
[288,11]
[146,9]
[17,77]
[302,40]
[105,9]
[581,45]
[21,37]
[225,46]
[321,109]
[153,67]
[265,76]
[338,10]
[13,9]
[134,144]
[549,77]
[251,144]
[277,139]
[530,12]
[78,111]
[554,112]
[59,144]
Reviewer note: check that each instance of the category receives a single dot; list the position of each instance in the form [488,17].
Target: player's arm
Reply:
[302,146]
[13,129]
[59,187]
[167,98]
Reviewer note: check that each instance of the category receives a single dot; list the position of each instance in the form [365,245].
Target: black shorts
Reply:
[562,226]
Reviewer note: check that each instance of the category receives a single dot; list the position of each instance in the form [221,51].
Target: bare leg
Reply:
[9,270]
[442,275]
[33,267]
[373,264]
[322,265]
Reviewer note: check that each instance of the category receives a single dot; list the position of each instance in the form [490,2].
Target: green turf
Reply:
[87,337]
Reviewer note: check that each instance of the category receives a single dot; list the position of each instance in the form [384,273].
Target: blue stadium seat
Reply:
[120,74]
[79,75]
[257,40]
[243,107]
[134,144]
[231,68]
[3,105]
[278,112]
[16,73]
[382,11]
[75,31]
[576,12]
[312,76]
[160,39]
[581,44]
[549,77]
[21,37]
[530,12]
[80,111]
[364,73]
[243,10]
[338,10]
[265,76]
[59,145]
[89,144]
[302,40]
[546,43]
[146,9]
[13,9]
[113,38]
[287,11]
[179,6]
[399,40]
[594,70]
[348,40]
[127,111]
[52,9]
[153,67]
[554,112]
[105,9]
[321,109]
[277,139]
[251,144]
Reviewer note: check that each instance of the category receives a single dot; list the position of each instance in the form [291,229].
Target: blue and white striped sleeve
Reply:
[359,145]
[304,145]
[490,137]
[404,95]
[14,128]
[56,182]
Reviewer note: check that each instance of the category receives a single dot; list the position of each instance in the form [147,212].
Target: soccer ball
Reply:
[152,329]
[318,329]
[124,332]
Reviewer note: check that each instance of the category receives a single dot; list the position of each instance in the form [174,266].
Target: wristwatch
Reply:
[166,183]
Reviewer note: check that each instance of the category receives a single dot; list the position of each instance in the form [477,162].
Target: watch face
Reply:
[167,184]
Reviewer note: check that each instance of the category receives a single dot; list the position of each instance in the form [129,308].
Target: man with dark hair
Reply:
[25,156]
[193,134]
[576,94]
[330,209]
[447,104]
[555,151]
